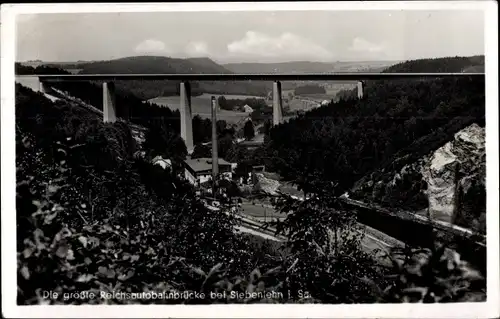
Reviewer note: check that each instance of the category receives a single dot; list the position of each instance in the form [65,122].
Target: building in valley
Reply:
[198,171]
[247,108]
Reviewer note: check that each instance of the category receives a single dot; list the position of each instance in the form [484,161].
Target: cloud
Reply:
[286,45]
[151,46]
[197,49]
[362,45]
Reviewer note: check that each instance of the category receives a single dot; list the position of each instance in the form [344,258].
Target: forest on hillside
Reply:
[397,123]
[309,89]
[341,142]
[437,65]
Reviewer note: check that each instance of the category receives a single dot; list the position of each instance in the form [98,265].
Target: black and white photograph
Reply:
[250,159]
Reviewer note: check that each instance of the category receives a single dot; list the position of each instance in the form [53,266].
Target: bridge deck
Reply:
[356,76]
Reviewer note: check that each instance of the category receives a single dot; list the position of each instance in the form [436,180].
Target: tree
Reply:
[221,127]
[237,153]
[222,102]
[202,130]
[248,130]
[162,141]
[242,169]
[325,253]
[428,275]
[229,188]
[225,143]
[266,130]
[201,151]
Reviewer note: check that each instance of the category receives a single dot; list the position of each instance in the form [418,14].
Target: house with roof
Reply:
[199,170]
[247,108]
[164,163]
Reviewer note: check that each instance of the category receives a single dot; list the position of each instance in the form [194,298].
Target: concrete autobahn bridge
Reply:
[42,83]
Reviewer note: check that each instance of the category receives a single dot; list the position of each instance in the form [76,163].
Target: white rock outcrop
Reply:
[450,170]
[164,163]
[266,185]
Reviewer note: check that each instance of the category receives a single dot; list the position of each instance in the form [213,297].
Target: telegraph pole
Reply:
[215,156]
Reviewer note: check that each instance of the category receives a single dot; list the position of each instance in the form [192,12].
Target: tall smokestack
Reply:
[215,155]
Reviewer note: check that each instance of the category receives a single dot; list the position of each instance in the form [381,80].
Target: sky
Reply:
[252,36]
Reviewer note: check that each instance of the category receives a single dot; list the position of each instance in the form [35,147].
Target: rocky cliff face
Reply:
[455,176]
[448,183]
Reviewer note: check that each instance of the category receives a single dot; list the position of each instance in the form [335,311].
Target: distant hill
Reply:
[66,65]
[159,64]
[285,67]
[363,66]
[447,64]
[474,69]
[307,67]
[153,64]
[472,64]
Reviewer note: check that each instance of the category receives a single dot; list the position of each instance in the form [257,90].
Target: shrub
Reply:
[93,218]
[429,276]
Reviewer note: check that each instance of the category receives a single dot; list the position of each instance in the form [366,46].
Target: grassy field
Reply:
[302,105]
[307,102]
[201,105]
[74,71]
[259,210]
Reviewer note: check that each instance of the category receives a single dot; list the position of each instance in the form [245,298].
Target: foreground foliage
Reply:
[429,276]
[326,258]
[88,211]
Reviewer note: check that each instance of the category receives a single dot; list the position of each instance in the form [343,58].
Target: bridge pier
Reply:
[186,116]
[108,102]
[361,85]
[277,104]
[43,87]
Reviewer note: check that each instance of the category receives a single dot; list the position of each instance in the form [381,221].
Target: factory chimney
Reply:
[215,156]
